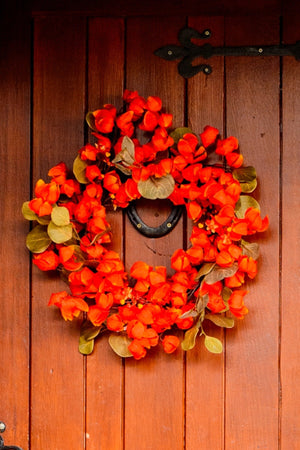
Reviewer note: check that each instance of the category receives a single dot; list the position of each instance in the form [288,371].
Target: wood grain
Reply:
[105,374]
[57,408]
[252,348]
[14,258]
[290,352]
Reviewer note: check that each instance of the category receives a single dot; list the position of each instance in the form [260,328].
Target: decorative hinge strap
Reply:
[188,51]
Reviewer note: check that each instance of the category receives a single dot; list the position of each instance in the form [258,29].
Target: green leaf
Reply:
[219,273]
[244,174]
[60,216]
[58,234]
[79,167]
[178,133]
[221,321]
[86,347]
[157,187]
[245,202]
[37,240]
[28,213]
[44,220]
[213,344]
[189,313]
[190,338]
[249,187]
[119,343]
[88,331]
[250,249]
[204,270]
[90,120]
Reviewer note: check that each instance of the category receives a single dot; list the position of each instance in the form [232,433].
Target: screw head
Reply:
[2,427]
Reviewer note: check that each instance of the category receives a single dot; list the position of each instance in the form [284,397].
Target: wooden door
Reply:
[54,68]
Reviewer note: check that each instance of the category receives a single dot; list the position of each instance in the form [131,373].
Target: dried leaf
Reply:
[213,344]
[126,155]
[60,216]
[219,273]
[201,302]
[244,174]
[44,220]
[79,167]
[190,338]
[226,293]
[58,234]
[221,321]
[245,202]
[37,240]
[28,213]
[189,313]
[250,249]
[178,133]
[204,270]
[119,343]
[154,188]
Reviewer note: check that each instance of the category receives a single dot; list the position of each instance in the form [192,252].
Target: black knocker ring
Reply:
[152,232]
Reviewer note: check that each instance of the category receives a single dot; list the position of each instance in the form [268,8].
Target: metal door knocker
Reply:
[154,232]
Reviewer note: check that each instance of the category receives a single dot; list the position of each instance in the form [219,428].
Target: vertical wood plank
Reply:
[104,413]
[57,367]
[154,407]
[205,425]
[15,189]
[252,348]
[290,352]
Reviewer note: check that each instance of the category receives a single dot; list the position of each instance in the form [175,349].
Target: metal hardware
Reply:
[152,232]
[6,447]
[188,51]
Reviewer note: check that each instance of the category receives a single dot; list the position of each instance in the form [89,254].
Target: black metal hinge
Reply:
[188,51]
[6,447]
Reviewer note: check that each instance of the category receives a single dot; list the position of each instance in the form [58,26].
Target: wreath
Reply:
[133,156]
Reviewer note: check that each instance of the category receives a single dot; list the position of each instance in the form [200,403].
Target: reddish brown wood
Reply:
[252,348]
[205,426]
[167,8]
[15,189]
[290,353]
[154,387]
[104,409]
[57,395]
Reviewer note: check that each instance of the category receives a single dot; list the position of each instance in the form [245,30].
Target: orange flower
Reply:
[58,173]
[170,343]
[68,256]
[180,261]
[115,323]
[112,181]
[70,307]
[105,118]
[140,270]
[47,260]
[137,349]
[248,265]
[97,315]
[236,303]
[209,135]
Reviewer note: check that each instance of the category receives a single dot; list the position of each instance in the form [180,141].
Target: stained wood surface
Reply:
[52,397]
[57,369]
[290,349]
[252,349]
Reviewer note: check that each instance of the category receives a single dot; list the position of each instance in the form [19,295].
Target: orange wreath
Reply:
[146,306]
